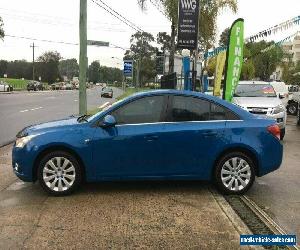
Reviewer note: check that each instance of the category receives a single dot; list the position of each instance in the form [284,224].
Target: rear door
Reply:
[194,135]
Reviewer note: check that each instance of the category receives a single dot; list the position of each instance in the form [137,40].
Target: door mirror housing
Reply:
[281,96]
[108,121]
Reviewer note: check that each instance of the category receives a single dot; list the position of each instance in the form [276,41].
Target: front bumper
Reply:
[280,119]
[22,163]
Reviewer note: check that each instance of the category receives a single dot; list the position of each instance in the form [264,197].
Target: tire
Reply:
[223,178]
[282,133]
[292,108]
[59,182]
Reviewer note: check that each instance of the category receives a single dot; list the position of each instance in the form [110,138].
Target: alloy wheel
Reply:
[236,174]
[59,174]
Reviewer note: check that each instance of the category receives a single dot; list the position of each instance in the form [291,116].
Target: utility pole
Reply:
[32,46]
[82,56]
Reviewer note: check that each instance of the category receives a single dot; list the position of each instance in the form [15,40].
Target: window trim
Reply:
[170,106]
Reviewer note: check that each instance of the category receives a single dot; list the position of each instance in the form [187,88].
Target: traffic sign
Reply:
[128,68]
[97,43]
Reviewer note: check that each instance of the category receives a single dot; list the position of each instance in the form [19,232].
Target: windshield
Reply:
[254,90]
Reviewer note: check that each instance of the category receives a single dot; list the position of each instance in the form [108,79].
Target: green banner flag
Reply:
[234,59]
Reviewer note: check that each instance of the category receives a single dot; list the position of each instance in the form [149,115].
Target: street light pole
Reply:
[82,56]
[32,46]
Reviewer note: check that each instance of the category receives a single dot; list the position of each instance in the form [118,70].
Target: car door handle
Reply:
[209,133]
[151,137]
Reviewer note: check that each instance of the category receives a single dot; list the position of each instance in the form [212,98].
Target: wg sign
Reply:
[188,24]
[234,60]
[128,68]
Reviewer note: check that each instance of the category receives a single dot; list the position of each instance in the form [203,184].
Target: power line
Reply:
[118,16]
[60,42]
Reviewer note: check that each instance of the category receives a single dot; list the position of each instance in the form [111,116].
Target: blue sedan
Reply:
[157,135]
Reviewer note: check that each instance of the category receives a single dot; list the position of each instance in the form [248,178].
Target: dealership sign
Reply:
[188,24]
[128,68]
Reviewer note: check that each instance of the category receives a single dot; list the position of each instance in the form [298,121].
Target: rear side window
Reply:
[186,108]
[144,110]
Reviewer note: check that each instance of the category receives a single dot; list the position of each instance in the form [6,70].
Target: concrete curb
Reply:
[6,143]
[236,221]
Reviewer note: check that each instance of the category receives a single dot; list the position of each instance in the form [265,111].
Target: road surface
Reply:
[278,193]
[21,109]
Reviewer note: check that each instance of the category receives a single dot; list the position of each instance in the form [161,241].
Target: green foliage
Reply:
[47,66]
[3,67]
[164,40]
[223,42]
[2,34]
[248,70]
[68,68]
[264,63]
[110,75]
[142,52]
[291,73]
[18,69]
[94,72]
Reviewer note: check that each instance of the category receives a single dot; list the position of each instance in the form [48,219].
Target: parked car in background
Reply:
[292,106]
[282,91]
[35,86]
[107,92]
[165,134]
[69,86]
[259,98]
[5,87]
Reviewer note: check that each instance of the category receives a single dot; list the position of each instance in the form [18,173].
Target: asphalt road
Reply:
[20,109]
[278,193]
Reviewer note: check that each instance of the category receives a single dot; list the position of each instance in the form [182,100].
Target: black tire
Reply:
[282,133]
[292,108]
[77,173]
[218,173]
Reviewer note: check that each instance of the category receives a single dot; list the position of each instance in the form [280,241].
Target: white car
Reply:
[282,91]
[259,98]
[4,87]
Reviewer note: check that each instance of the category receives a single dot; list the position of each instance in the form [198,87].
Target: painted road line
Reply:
[104,105]
[26,110]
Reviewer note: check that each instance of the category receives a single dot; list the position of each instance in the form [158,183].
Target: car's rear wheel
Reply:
[292,108]
[234,173]
[59,173]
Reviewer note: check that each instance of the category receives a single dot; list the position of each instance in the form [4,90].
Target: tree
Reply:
[142,52]
[208,13]
[68,68]
[223,42]
[3,67]
[94,72]
[164,40]
[47,66]
[264,62]
[2,34]
[110,75]
[291,73]
[19,69]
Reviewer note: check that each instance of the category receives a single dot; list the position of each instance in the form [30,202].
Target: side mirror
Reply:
[108,121]
[281,96]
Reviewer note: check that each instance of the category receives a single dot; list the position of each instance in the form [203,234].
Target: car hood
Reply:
[256,102]
[53,125]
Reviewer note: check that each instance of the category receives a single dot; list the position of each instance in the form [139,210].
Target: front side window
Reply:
[144,110]
[185,108]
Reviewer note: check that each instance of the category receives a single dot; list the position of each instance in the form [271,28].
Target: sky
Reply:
[57,20]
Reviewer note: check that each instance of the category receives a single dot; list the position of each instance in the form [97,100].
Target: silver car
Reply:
[258,97]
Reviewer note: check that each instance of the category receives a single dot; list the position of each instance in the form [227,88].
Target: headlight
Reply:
[21,142]
[278,109]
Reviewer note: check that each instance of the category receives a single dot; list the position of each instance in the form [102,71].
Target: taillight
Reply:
[274,130]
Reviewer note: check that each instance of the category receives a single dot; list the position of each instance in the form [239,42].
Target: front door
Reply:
[133,147]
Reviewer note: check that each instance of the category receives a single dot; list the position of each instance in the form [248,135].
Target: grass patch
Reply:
[18,84]
[130,91]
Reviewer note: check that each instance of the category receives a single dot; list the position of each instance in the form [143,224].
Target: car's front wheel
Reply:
[234,173]
[59,173]
[292,108]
